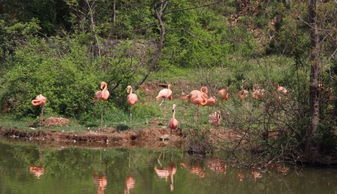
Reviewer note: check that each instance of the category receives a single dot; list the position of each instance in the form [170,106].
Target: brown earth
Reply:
[150,137]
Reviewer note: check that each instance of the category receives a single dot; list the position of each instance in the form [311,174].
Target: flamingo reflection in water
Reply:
[167,172]
[194,169]
[37,171]
[101,182]
[129,184]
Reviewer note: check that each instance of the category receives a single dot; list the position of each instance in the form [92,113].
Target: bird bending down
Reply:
[40,100]
[173,123]
[165,94]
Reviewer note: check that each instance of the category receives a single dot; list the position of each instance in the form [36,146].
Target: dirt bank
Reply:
[150,137]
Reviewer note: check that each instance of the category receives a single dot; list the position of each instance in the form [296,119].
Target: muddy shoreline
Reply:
[145,138]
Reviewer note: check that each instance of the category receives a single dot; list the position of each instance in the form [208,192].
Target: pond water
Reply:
[29,169]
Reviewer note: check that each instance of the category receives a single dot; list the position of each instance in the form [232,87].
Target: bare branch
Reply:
[194,7]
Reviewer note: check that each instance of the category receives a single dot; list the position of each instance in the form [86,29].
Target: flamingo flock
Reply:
[197,97]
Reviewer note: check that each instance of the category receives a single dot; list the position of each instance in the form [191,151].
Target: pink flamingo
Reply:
[211,101]
[165,94]
[36,171]
[215,118]
[132,98]
[40,100]
[103,94]
[173,123]
[129,184]
[223,93]
[198,97]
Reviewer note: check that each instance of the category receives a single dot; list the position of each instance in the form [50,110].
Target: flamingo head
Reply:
[128,89]
[103,84]
[204,89]
[174,107]
[169,86]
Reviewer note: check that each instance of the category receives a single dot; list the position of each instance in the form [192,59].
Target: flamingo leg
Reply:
[162,101]
[41,114]
[130,114]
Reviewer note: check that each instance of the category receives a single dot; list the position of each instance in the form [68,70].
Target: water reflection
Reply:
[101,183]
[194,169]
[129,184]
[71,171]
[167,172]
[37,171]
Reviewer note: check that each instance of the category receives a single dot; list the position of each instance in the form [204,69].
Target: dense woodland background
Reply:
[64,48]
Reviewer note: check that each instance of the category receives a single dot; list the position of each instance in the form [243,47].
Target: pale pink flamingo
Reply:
[36,171]
[129,184]
[223,93]
[132,98]
[173,123]
[103,94]
[215,118]
[165,94]
[101,183]
[40,100]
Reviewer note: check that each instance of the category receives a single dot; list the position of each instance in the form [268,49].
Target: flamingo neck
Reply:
[174,114]
[104,87]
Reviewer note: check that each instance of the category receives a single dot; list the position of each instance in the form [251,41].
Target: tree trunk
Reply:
[114,11]
[93,26]
[314,78]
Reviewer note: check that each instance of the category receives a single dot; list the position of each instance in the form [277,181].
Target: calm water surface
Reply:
[31,169]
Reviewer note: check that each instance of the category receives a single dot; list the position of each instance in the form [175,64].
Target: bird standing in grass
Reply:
[132,98]
[173,123]
[165,94]
[40,100]
[103,94]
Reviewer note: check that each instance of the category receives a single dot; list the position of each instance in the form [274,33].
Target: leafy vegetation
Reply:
[65,48]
